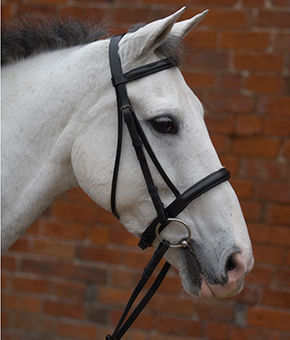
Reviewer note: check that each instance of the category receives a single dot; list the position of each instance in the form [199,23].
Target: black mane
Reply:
[29,36]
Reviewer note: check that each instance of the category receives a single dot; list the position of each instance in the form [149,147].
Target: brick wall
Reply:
[70,275]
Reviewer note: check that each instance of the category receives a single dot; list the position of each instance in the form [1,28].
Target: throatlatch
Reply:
[164,215]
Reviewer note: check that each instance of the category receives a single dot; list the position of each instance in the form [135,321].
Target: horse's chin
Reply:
[211,292]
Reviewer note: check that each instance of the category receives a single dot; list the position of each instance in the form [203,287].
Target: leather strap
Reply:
[181,202]
[123,325]
[119,81]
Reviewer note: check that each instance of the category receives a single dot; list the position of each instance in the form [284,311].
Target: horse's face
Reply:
[222,249]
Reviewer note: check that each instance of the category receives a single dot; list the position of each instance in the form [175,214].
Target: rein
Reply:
[164,215]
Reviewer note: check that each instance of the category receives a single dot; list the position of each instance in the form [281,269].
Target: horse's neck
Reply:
[41,104]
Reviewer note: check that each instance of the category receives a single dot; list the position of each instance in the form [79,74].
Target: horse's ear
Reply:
[182,28]
[148,38]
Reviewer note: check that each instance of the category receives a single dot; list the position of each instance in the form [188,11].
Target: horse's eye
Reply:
[164,124]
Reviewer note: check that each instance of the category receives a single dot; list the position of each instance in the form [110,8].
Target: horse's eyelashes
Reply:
[164,124]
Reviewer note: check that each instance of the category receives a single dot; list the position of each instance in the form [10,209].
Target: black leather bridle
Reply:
[164,215]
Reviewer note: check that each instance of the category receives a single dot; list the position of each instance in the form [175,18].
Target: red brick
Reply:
[68,310]
[277,127]
[265,84]
[167,304]
[100,254]
[216,312]
[219,142]
[220,123]
[277,106]
[256,147]
[230,82]
[251,210]
[217,331]
[21,245]
[253,334]
[273,192]
[70,290]
[283,277]
[73,271]
[33,323]
[99,235]
[82,13]
[262,275]
[122,236]
[253,3]
[6,12]
[267,318]
[230,163]
[36,9]
[209,60]
[226,18]
[124,279]
[278,214]
[282,42]
[144,321]
[281,2]
[11,335]
[258,61]
[136,259]
[271,235]
[288,257]
[179,326]
[21,303]
[268,254]
[229,103]
[202,39]
[286,149]
[216,2]
[276,298]
[8,262]
[4,280]
[248,125]
[30,285]
[129,15]
[263,169]
[33,229]
[71,231]
[51,248]
[243,188]
[113,296]
[74,212]
[77,331]
[77,195]
[279,19]
[245,40]
[250,295]
[199,80]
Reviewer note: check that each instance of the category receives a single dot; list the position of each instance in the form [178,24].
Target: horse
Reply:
[59,131]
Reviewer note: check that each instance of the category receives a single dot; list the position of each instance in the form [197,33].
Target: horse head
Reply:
[172,118]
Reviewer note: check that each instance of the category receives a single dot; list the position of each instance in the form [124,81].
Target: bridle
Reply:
[164,215]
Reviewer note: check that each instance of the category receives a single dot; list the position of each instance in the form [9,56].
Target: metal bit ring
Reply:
[183,243]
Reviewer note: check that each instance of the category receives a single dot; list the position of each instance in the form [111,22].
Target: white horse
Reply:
[59,131]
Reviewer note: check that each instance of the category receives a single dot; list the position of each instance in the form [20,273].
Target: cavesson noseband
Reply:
[164,215]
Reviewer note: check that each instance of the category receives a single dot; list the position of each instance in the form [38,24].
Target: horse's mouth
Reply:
[195,281]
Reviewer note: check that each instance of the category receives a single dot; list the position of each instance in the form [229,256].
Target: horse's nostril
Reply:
[230,265]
